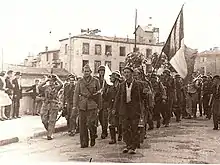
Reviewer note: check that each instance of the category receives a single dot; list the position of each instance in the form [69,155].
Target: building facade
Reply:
[208,62]
[77,51]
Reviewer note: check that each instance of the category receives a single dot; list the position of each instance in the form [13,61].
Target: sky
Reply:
[25,24]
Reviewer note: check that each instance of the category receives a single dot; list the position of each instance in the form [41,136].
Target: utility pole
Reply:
[70,57]
[135,40]
[2,60]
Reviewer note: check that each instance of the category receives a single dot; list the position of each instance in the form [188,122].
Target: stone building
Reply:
[208,62]
[76,51]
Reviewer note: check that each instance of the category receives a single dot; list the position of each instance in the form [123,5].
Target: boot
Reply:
[104,134]
[158,123]
[113,135]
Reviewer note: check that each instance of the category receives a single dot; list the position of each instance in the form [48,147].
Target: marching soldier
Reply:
[178,86]
[114,118]
[103,112]
[206,92]
[215,100]
[159,100]
[50,106]
[168,82]
[68,101]
[148,105]
[87,100]
[192,98]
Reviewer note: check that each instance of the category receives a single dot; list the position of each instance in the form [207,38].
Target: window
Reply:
[108,63]
[121,66]
[108,50]
[85,49]
[98,49]
[66,49]
[47,56]
[122,51]
[96,66]
[55,56]
[84,62]
[148,53]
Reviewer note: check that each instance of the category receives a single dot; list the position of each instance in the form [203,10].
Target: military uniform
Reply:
[168,83]
[103,112]
[192,98]
[206,93]
[68,101]
[159,95]
[178,86]
[50,107]
[216,103]
[113,117]
[87,101]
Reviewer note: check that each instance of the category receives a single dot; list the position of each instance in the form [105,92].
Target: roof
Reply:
[214,51]
[111,39]
[37,71]
[49,51]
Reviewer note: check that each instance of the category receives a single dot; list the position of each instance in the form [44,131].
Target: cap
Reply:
[204,76]
[101,67]
[116,74]
[216,77]
[177,76]
[166,71]
[129,68]
[2,73]
[87,67]
[18,73]
[137,70]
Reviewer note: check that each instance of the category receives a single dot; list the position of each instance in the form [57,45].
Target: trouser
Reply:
[200,104]
[16,107]
[207,109]
[216,112]
[191,104]
[130,128]
[103,119]
[71,117]
[49,112]
[177,111]
[8,111]
[159,109]
[169,108]
[130,131]
[87,121]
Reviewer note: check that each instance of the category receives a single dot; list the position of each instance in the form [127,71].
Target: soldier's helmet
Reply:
[116,74]
[216,77]
[129,68]
[166,71]
[101,68]
[177,76]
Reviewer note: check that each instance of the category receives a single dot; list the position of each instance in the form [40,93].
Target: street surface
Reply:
[191,141]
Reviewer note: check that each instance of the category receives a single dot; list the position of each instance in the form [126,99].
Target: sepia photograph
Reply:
[106,81]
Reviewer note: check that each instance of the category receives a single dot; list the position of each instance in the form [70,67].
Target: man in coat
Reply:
[130,96]
[87,100]
[103,112]
[9,91]
[17,95]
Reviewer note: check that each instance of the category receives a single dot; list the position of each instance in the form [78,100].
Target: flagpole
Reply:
[2,60]
[168,37]
[135,40]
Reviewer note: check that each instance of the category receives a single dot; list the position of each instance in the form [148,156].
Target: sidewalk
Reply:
[16,130]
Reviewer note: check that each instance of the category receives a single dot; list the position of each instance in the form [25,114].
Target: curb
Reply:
[9,141]
[38,134]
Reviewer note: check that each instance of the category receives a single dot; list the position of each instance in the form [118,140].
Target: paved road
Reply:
[191,141]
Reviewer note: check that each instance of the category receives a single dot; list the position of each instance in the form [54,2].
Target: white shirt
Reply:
[128,92]
[19,83]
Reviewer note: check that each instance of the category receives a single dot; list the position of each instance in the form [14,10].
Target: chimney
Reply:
[127,39]
[46,48]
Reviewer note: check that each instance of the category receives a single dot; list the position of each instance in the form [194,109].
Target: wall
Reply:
[115,58]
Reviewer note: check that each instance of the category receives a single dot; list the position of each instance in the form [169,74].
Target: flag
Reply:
[190,55]
[174,47]
[107,75]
